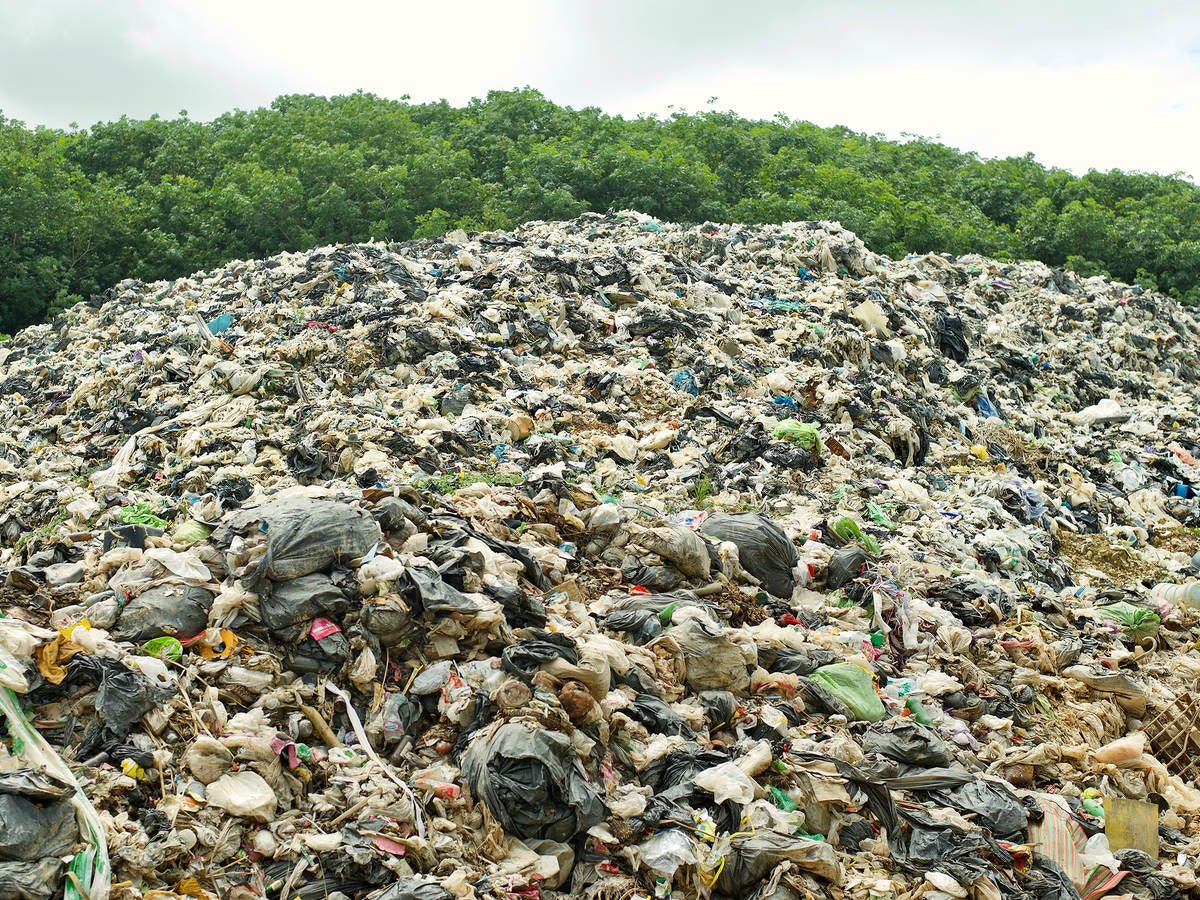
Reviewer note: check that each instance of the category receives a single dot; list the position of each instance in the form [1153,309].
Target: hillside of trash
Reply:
[603,559]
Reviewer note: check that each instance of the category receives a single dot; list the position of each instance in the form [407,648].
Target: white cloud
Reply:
[1082,85]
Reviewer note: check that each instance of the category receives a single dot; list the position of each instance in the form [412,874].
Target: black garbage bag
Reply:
[795,662]
[30,831]
[995,806]
[39,879]
[308,464]
[351,873]
[325,649]
[1145,870]
[907,742]
[37,825]
[673,775]
[526,657]
[951,339]
[752,856]
[177,610]
[657,716]
[845,565]
[123,696]
[817,696]
[719,708]
[652,578]
[386,618]
[643,624]
[303,536]
[521,608]
[531,782]
[659,603]
[763,549]
[392,512]
[1047,880]
[287,606]
[425,591]
[454,531]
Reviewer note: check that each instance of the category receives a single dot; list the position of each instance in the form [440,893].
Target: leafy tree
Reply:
[162,197]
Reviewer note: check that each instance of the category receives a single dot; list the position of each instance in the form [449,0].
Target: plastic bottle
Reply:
[1186,594]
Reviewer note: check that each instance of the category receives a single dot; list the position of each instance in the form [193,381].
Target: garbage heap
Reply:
[602,559]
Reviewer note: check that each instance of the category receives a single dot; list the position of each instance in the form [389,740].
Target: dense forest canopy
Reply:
[157,198]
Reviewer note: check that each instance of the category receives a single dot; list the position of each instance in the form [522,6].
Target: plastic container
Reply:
[1186,594]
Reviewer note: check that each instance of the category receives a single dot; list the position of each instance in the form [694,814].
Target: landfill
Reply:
[603,559]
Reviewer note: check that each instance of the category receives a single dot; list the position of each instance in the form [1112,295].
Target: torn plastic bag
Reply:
[303,536]
[664,603]
[39,879]
[908,742]
[34,785]
[995,806]
[764,550]
[287,605]
[416,888]
[751,857]
[713,661]
[666,850]
[123,696]
[806,434]
[725,781]
[531,782]
[678,545]
[168,609]
[854,686]
[455,530]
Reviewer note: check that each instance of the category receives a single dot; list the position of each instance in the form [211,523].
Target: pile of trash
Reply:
[604,559]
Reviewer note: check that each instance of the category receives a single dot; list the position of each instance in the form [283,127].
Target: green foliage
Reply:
[450,482]
[160,198]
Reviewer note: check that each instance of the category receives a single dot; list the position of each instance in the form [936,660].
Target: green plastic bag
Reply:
[879,517]
[854,686]
[191,531]
[847,529]
[803,433]
[1139,623]
[140,514]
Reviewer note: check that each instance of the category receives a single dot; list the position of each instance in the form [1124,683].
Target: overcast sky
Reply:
[1080,83]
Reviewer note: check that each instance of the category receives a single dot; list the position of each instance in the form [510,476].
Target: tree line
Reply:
[81,209]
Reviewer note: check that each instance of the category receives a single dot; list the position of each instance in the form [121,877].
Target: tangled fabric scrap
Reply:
[600,559]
